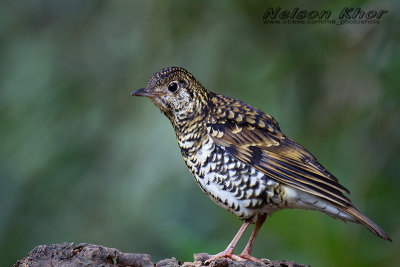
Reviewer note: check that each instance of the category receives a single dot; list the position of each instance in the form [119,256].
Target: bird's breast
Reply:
[230,183]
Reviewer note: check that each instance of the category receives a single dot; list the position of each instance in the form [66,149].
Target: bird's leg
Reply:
[246,252]
[228,252]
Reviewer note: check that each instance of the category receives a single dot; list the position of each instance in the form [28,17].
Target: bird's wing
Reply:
[254,138]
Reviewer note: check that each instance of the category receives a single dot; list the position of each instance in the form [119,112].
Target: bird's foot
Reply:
[247,256]
[224,254]
[230,255]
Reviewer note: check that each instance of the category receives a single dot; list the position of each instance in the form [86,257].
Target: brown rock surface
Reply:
[69,254]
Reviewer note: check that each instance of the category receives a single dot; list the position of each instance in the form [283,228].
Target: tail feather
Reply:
[367,222]
[302,200]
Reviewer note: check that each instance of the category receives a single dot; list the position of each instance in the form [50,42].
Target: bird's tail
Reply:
[367,222]
[303,200]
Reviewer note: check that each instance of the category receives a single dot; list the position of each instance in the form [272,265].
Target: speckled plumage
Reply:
[241,159]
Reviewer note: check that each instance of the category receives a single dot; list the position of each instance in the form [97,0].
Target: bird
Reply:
[242,161]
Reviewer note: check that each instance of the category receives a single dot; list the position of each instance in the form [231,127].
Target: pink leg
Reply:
[246,252]
[228,252]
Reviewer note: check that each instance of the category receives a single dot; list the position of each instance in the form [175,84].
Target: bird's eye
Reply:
[172,87]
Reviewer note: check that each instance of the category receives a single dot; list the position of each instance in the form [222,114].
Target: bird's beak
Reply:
[140,92]
[143,92]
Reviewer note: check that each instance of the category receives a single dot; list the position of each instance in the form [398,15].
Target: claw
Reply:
[230,255]
[247,256]
[224,254]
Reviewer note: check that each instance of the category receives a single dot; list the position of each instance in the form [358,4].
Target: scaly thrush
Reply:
[240,158]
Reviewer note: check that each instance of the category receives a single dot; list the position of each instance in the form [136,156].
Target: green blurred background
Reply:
[83,161]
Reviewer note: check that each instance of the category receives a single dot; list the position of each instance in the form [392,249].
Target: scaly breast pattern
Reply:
[231,184]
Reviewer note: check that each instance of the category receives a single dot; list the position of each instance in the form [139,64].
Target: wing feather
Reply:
[254,138]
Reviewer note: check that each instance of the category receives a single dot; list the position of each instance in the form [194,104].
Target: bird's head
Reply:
[176,92]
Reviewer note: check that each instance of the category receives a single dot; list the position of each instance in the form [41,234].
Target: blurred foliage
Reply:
[83,161]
